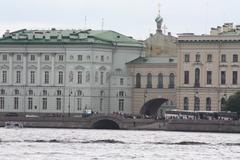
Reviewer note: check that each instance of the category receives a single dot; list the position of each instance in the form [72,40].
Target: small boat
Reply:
[12,124]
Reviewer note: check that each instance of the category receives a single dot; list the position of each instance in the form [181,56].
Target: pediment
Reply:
[32,67]
[79,67]
[102,68]
[18,67]
[60,67]
[4,67]
[47,67]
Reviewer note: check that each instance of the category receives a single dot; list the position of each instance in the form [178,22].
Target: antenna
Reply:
[102,23]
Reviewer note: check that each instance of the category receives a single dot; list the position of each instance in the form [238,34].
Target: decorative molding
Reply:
[4,67]
[46,67]
[79,67]
[103,68]
[18,67]
[60,67]
[32,67]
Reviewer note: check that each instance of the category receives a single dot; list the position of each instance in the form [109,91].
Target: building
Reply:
[66,71]
[208,67]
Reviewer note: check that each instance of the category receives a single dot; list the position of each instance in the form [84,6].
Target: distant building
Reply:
[66,71]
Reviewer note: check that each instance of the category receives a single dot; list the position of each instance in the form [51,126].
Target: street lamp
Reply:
[70,92]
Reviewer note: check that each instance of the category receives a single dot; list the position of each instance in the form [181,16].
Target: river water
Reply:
[77,144]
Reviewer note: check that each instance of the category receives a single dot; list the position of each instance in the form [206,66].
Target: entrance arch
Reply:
[105,124]
[151,107]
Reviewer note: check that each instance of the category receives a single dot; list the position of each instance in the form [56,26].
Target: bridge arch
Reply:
[151,107]
[106,122]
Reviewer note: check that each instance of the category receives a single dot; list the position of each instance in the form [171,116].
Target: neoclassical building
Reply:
[208,67]
[66,71]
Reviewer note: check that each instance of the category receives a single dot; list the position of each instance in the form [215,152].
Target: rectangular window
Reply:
[121,81]
[186,77]
[45,92]
[46,77]
[102,58]
[101,78]
[101,104]
[2,103]
[79,57]
[30,103]
[79,103]
[223,58]
[209,58]
[19,57]
[46,57]
[209,77]
[18,77]
[4,57]
[59,92]
[79,77]
[16,102]
[32,77]
[60,77]
[59,103]
[60,57]
[121,104]
[4,77]
[198,57]
[234,77]
[223,77]
[32,57]
[235,58]
[44,103]
[186,58]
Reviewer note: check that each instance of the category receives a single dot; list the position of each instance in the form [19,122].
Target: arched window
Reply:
[160,80]
[101,93]
[138,80]
[186,103]
[196,103]
[208,104]
[223,103]
[171,80]
[87,77]
[197,77]
[149,80]
[79,93]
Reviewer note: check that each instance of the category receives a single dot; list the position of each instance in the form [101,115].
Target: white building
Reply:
[66,71]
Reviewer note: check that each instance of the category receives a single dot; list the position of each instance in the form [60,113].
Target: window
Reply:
[2,103]
[4,77]
[44,92]
[121,104]
[102,58]
[171,80]
[32,77]
[16,92]
[209,77]
[60,57]
[96,76]
[102,93]
[71,57]
[196,103]
[186,103]
[121,81]
[209,58]
[101,104]
[87,77]
[197,77]
[149,80]
[59,92]
[223,77]
[46,57]
[235,58]
[186,77]
[19,57]
[18,77]
[223,58]
[79,57]
[60,77]
[160,80]
[44,103]
[101,78]
[107,77]
[88,57]
[208,104]
[186,58]
[16,102]
[121,94]
[46,77]
[4,57]
[59,103]
[197,57]
[30,92]
[79,77]
[79,93]
[2,91]
[30,103]
[234,77]
[138,80]
[79,103]
[223,103]
[32,57]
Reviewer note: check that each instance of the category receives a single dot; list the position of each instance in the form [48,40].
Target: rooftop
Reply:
[154,60]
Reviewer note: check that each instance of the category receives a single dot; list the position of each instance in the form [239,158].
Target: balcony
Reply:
[170,86]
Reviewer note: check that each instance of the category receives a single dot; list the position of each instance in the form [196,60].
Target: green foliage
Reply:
[233,103]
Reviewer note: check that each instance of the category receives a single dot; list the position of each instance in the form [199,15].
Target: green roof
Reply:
[154,60]
[54,36]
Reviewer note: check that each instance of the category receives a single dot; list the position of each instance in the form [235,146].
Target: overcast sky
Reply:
[131,17]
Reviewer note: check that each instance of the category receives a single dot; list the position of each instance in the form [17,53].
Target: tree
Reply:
[233,103]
